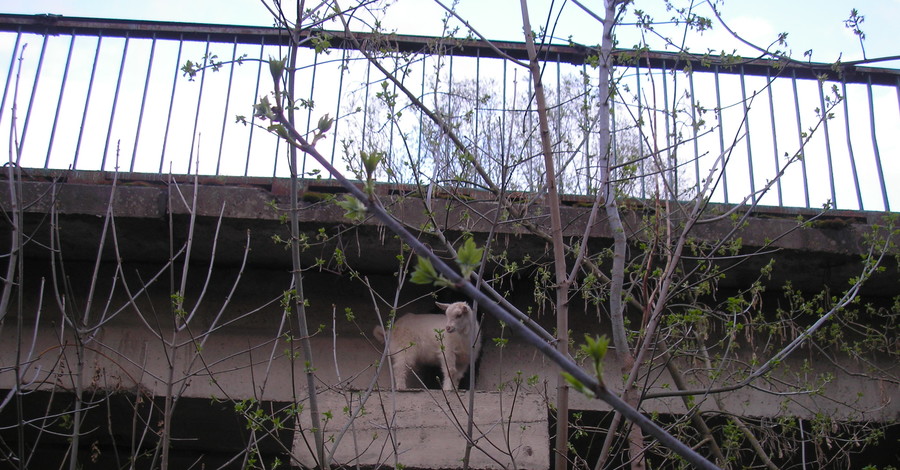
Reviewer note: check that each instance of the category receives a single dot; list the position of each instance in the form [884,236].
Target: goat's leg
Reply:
[451,380]
[400,366]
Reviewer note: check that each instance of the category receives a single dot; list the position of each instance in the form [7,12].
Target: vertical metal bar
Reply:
[559,109]
[671,166]
[366,105]
[12,66]
[476,150]
[162,154]
[824,118]
[800,137]
[197,111]
[34,87]
[309,108]
[774,138]
[694,129]
[747,139]
[278,141]
[850,147]
[641,135]
[112,111]
[337,110]
[503,143]
[450,86]
[613,134]
[449,116]
[87,100]
[277,150]
[62,92]
[614,137]
[227,101]
[884,196]
[421,116]
[390,150]
[262,46]
[137,131]
[722,157]
[530,131]
[586,149]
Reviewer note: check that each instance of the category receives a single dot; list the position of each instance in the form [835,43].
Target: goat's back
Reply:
[418,328]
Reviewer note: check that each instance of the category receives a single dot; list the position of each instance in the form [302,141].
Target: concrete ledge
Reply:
[826,250]
[427,428]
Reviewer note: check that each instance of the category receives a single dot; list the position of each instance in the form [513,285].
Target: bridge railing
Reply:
[159,97]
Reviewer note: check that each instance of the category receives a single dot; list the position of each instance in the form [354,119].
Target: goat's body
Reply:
[414,343]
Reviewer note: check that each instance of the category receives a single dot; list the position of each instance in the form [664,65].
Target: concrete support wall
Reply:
[233,341]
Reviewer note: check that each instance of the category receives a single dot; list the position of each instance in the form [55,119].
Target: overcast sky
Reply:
[811,24]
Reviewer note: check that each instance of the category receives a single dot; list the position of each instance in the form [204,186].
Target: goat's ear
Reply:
[442,306]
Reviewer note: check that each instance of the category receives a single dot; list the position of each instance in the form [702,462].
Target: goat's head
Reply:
[458,316]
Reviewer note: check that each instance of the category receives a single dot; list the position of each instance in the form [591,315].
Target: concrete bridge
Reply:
[96,313]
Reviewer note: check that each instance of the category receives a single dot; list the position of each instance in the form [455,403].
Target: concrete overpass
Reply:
[231,344]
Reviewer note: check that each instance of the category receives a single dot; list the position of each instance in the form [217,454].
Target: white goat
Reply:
[415,342]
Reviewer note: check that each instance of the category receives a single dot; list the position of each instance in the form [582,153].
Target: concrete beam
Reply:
[237,349]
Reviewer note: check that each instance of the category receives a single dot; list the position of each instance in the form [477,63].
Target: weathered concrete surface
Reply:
[830,247]
[428,429]
[238,349]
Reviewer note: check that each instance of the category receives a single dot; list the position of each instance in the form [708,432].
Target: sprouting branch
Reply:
[293,137]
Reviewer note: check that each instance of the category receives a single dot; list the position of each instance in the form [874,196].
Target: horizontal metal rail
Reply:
[104,94]
[572,54]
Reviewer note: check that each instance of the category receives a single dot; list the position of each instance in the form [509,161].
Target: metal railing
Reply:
[114,94]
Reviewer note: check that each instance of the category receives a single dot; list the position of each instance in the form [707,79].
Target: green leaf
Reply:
[263,109]
[469,257]
[189,69]
[370,161]
[322,43]
[577,385]
[280,130]
[355,210]
[276,67]
[325,123]
[424,273]
[596,348]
